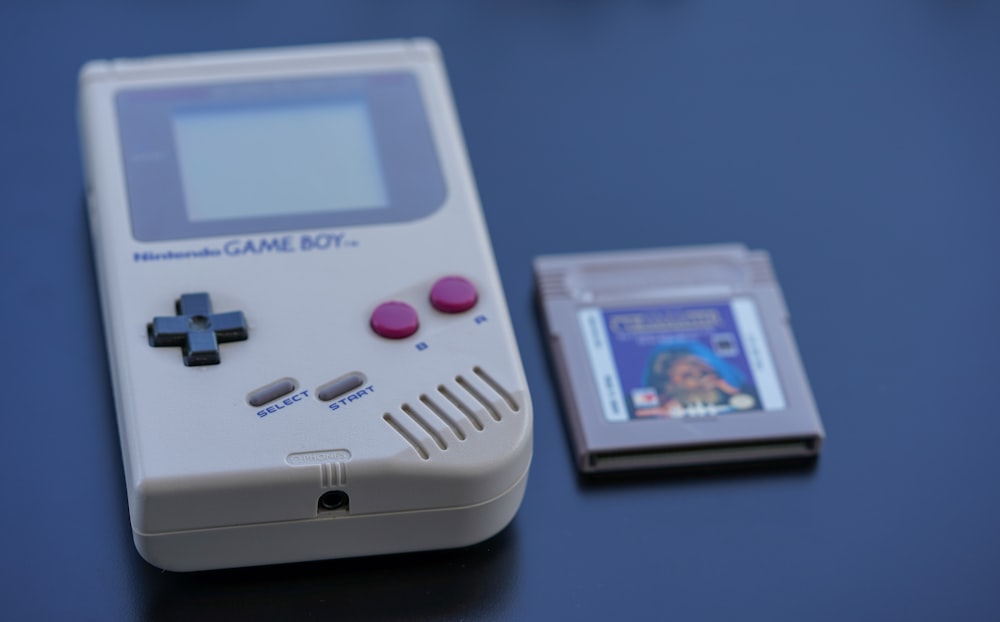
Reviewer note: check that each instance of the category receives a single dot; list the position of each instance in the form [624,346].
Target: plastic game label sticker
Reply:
[680,361]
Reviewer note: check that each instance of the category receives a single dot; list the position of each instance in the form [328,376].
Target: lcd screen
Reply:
[236,158]
[253,161]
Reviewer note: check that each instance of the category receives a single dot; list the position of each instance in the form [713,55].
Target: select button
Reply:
[271,392]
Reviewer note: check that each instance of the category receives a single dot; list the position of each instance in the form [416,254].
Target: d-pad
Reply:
[197,330]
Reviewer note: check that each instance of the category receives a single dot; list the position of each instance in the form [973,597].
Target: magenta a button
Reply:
[395,320]
[453,294]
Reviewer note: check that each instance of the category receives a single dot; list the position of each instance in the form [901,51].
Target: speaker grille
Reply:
[442,416]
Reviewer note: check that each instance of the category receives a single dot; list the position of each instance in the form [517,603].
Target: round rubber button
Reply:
[395,320]
[453,294]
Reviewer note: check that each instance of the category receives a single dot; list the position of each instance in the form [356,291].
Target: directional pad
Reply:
[197,330]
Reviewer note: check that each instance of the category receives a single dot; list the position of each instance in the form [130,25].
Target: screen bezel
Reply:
[415,185]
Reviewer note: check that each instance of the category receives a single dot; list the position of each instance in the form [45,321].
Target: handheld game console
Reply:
[310,348]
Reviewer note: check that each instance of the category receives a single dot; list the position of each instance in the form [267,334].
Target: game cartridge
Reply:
[676,357]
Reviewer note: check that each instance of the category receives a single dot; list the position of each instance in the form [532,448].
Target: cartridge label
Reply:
[680,361]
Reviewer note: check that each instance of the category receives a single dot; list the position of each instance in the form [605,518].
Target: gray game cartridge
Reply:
[676,357]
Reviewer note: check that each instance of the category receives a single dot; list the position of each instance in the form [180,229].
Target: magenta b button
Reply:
[395,320]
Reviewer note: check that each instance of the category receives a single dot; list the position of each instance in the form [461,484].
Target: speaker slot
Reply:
[426,427]
[461,406]
[497,388]
[471,390]
[417,446]
[443,416]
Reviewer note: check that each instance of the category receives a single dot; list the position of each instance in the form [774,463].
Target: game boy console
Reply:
[311,352]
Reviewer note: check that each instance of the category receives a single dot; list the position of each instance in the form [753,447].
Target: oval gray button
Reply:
[338,387]
[271,392]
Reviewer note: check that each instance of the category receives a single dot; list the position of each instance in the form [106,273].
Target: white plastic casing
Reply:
[434,453]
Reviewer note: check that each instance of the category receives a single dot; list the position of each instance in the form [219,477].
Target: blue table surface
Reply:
[857,141]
